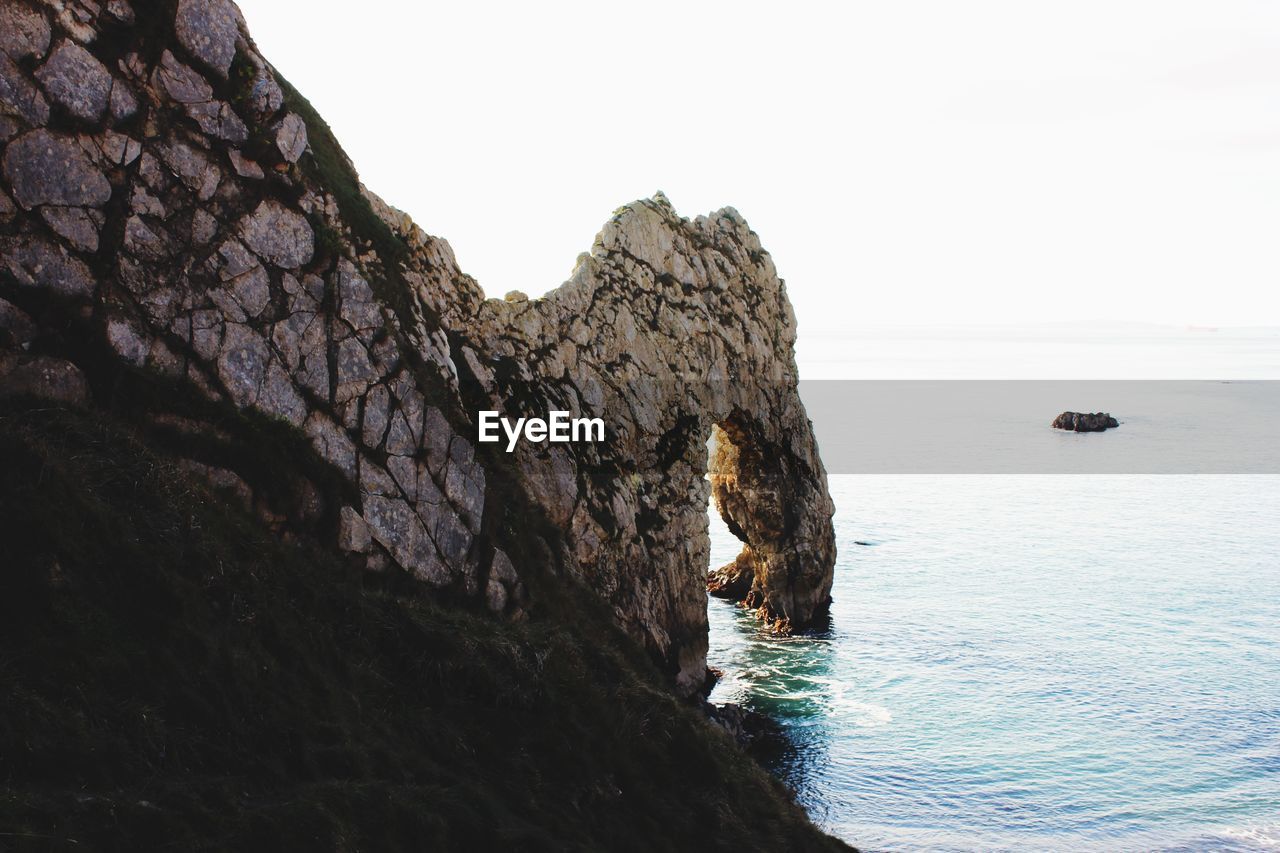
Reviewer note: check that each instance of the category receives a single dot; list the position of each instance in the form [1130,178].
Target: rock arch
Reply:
[174,214]
[670,329]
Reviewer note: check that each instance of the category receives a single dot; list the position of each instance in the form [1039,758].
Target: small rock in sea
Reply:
[1085,422]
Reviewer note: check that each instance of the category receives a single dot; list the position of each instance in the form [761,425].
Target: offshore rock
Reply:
[1085,422]
[201,236]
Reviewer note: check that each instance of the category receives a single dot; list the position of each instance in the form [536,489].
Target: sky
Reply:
[904,162]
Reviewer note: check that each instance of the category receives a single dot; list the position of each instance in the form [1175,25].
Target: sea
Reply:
[1035,661]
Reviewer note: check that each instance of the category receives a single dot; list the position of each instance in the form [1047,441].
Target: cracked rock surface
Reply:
[181,239]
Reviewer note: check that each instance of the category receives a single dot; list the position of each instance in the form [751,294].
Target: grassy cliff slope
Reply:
[172,675]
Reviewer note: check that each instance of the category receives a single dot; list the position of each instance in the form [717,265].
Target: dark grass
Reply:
[173,677]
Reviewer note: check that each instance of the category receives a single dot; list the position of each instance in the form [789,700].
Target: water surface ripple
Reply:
[1033,662]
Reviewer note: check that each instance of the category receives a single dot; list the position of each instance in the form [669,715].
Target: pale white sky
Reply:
[904,162]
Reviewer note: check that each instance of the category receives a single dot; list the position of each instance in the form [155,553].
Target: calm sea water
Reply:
[1033,662]
[1026,662]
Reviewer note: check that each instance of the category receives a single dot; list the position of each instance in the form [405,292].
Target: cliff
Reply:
[174,676]
[186,250]
[174,215]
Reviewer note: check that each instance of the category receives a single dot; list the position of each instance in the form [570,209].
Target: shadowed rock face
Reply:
[182,239]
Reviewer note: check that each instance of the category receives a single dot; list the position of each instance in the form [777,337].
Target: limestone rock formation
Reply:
[1085,422]
[182,240]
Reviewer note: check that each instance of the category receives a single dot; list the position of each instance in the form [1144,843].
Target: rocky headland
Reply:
[187,254]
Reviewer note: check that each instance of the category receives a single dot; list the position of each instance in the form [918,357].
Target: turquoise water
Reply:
[1033,663]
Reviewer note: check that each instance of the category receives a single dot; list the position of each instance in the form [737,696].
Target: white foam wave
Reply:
[1265,837]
